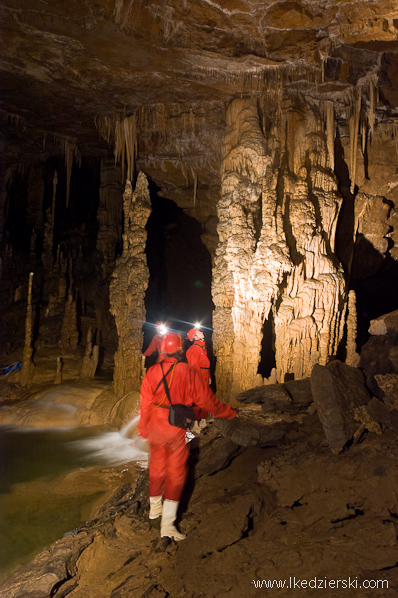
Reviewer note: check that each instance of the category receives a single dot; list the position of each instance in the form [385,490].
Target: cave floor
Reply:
[293,513]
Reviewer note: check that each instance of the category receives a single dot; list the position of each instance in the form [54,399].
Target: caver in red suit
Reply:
[197,358]
[168,449]
[155,343]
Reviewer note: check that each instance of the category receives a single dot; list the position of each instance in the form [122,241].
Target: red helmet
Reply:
[191,333]
[171,343]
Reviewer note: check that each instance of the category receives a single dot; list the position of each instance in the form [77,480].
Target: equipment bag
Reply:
[180,416]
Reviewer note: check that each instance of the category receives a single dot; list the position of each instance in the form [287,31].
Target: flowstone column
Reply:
[251,257]
[128,286]
[277,219]
[310,313]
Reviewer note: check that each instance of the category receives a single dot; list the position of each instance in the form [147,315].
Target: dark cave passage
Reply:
[179,289]
[267,355]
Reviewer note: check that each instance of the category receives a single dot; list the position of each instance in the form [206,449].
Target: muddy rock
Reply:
[338,390]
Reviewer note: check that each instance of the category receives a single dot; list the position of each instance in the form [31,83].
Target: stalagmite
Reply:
[128,286]
[352,357]
[58,375]
[27,363]
[90,359]
[69,332]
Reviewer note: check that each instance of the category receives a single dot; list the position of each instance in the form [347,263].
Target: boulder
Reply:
[378,356]
[288,396]
[385,325]
[389,385]
[248,431]
[338,390]
[382,413]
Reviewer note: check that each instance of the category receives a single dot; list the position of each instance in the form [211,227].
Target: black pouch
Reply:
[181,416]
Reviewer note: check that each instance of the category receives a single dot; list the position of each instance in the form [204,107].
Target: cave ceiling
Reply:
[67,65]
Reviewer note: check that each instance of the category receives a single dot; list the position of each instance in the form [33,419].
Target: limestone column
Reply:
[277,220]
[310,313]
[250,259]
[128,286]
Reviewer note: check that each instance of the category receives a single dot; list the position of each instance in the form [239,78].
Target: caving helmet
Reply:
[192,332]
[171,343]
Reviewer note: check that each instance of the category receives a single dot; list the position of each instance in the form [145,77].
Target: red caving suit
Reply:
[168,449]
[154,345]
[197,357]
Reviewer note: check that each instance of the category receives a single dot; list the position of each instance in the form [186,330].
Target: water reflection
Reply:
[51,478]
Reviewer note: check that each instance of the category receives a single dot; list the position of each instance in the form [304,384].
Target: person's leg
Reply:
[157,479]
[177,469]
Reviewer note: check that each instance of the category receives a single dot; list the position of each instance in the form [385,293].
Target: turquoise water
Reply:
[36,507]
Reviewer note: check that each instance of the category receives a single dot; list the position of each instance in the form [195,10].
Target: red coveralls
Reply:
[197,357]
[154,345]
[168,450]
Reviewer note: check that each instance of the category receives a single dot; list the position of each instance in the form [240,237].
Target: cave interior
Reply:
[231,162]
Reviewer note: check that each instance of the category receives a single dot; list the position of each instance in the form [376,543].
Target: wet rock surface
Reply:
[290,511]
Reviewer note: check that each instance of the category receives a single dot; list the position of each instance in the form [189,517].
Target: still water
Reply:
[33,513]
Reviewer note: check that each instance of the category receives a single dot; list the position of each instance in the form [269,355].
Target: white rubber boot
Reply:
[155,506]
[169,515]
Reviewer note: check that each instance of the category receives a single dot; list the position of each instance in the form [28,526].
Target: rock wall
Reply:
[277,220]
[128,285]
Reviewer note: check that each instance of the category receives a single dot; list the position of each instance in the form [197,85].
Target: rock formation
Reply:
[277,223]
[69,331]
[27,362]
[128,286]
[90,359]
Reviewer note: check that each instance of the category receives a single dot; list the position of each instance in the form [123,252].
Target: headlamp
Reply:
[162,329]
[197,325]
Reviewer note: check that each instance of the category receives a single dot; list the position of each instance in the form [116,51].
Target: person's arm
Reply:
[145,407]
[203,397]
[154,345]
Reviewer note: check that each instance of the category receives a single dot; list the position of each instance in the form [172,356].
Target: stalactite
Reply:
[27,363]
[330,131]
[372,107]
[354,128]
[363,136]
[126,144]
